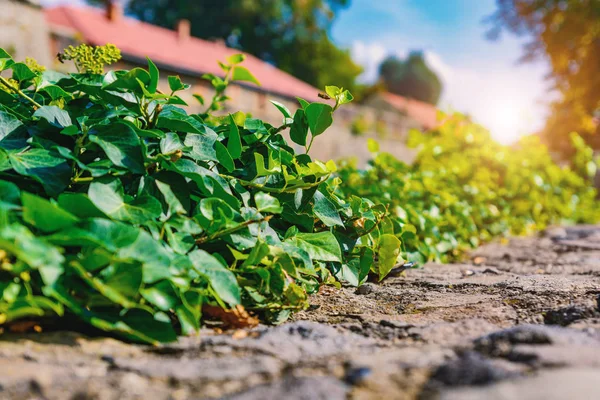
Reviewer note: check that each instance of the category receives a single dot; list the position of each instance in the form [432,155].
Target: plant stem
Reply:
[6,83]
[312,138]
[228,231]
[281,128]
[84,179]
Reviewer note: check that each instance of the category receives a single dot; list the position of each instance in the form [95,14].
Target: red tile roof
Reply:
[424,113]
[140,40]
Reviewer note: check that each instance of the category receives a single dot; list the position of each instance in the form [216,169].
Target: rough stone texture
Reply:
[521,321]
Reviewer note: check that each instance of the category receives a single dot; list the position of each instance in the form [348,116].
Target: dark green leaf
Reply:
[44,215]
[319,117]
[121,145]
[221,279]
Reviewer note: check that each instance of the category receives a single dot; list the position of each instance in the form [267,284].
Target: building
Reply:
[388,117]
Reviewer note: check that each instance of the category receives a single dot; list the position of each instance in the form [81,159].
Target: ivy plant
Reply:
[120,208]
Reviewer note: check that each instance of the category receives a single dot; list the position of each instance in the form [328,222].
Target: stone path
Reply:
[520,321]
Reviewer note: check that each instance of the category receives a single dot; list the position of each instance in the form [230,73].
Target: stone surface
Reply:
[521,321]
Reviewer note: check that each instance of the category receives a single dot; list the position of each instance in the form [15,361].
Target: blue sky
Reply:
[480,77]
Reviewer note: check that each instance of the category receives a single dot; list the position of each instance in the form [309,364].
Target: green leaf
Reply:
[345,97]
[130,81]
[373,145]
[319,117]
[332,91]
[236,59]
[303,103]
[321,246]
[299,128]
[171,199]
[199,98]
[234,144]
[80,205]
[176,119]
[10,195]
[221,279]
[267,203]
[154,76]
[44,215]
[388,251]
[284,110]
[325,210]
[13,134]
[109,199]
[242,74]
[54,115]
[202,146]
[122,146]
[44,166]
[162,295]
[175,84]
[55,92]
[224,157]
[21,72]
[34,252]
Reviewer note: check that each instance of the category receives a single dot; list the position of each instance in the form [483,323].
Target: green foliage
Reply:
[359,126]
[567,34]
[411,78]
[119,208]
[465,189]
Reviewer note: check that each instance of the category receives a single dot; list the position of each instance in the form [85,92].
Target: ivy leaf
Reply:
[234,144]
[325,210]
[388,251]
[176,119]
[171,199]
[154,76]
[322,246]
[21,72]
[242,74]
[319,117]
[13,134]
[44,166]
[345,97]
[224,156]
[221,279]
[202,147]
[175,84]
[332,91]
[284,110]
[54,115]
[267,203]
[108,197]
[236,59]
[299,128]
[121,145]
[44,215]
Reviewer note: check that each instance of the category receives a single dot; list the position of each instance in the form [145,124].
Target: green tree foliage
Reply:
[567,34]
[411,78]
[291,34]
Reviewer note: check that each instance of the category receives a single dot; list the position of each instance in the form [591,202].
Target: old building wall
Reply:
[24,32]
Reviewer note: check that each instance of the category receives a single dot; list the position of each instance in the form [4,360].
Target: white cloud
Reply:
[504,98]
[369,56]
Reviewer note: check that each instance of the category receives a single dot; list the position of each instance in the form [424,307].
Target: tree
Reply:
[411,78]
[567,34]
[291,34]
